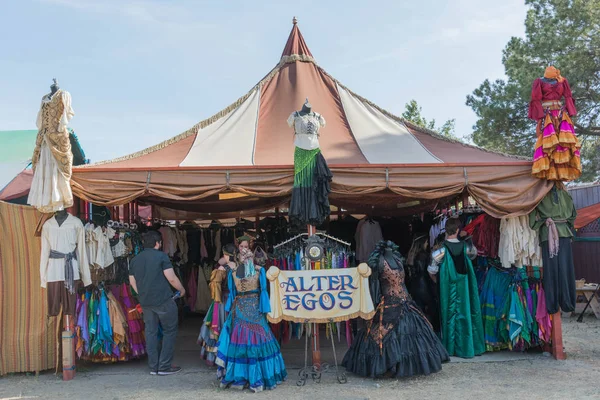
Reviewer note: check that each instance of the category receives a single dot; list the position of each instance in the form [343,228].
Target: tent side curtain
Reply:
[500,190]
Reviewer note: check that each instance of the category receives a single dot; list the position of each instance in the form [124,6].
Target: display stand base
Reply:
[316,370]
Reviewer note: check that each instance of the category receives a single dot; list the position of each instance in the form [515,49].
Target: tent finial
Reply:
[294,20]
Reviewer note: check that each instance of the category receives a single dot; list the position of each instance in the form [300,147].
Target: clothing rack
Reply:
[306,234]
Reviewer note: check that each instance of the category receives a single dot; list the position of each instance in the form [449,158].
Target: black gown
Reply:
[423,290]
[398,341]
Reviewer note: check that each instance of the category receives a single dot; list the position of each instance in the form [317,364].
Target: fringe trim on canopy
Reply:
[296,57]
[363,315]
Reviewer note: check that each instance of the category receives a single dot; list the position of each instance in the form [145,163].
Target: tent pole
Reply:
[126,209]
[68,348]
[556,335]
[316,347]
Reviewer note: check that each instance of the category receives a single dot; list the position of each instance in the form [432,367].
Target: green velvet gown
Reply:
[462,324]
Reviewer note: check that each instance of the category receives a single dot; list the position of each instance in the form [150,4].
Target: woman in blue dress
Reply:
[248,354]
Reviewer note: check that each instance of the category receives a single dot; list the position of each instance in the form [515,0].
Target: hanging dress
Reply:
[248,354]
[215,316]
[399,340]
[462,324]
[52,159]
[312,177]
[557,149]
[203,295]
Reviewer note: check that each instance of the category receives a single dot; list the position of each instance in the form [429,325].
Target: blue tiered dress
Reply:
[248,354]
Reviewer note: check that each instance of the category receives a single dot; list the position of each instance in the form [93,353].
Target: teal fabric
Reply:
[462,323]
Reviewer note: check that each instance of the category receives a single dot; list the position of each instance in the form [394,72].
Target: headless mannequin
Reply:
[306,108]
[61,216]
[53,88]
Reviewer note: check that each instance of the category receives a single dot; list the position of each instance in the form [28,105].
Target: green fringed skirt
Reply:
[312,185]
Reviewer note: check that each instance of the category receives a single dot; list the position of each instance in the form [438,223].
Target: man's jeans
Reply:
[166,314]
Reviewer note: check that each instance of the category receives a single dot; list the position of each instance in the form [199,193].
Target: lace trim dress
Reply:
[52,159]
[312,177]
[399,341]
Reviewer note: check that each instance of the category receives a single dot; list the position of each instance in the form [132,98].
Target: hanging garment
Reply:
[312,177]
[462,325]
[218,245]
[368,234]
[519,244]
[52,159]
[91,245]
[493,297]
[203,251]
[398,340]
[557,149]
[104,253]
[248,354]
[192,289]
[553,218]
[486,235]
[215,317]
[67,239]
[436,229]
[169,244]
[203,298]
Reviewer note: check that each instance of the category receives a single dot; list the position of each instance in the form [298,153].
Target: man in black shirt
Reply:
[151,275]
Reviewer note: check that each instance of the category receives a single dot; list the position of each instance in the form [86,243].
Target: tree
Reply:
[563,33]
[412,113]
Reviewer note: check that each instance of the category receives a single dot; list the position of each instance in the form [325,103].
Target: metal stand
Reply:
[316,370]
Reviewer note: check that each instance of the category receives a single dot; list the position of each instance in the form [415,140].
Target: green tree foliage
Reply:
[563,33]
[412,113]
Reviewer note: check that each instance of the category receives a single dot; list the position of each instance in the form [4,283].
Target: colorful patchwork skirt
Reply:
[210,331]
[248,354]
[312,185]
[557,150]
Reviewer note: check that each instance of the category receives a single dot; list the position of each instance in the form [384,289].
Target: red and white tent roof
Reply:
[255,133]
[381,164]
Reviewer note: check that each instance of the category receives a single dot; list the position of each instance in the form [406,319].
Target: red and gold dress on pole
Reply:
[556,156]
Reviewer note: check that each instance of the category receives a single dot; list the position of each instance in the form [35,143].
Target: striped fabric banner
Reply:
[27,335]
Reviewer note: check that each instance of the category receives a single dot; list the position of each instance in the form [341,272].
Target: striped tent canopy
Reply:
[373,154]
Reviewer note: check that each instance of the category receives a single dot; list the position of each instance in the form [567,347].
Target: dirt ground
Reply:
[492,376]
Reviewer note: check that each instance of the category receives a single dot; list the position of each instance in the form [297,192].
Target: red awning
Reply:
[587,215]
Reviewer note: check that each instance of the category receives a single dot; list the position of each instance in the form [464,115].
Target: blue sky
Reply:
[141,71]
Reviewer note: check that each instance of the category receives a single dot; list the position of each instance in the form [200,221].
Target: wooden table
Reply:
[587,291]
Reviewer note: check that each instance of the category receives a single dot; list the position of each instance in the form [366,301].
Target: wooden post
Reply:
[126,209]
[133,215]
[316,347]
[74,209]
[136,210]
[556,335]
[82,211]
[69,351]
